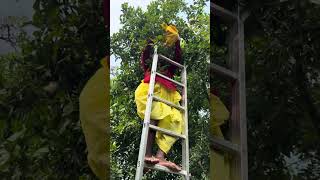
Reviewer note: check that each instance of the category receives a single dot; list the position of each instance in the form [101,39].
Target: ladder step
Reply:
[169,79]
[224,145]
[223,71]
[223,13]
[171,61]
[165,169]
[168,103]
[165,131]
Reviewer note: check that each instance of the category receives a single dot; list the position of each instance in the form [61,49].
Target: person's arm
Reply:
[146,55]
[178,52]
[177,58]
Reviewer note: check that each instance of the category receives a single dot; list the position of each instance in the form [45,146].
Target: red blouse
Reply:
[168,72]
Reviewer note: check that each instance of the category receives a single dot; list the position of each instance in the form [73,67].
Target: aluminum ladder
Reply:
[147,126]
[237,146]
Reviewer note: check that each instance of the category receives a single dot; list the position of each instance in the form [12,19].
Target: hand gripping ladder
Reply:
[146,124]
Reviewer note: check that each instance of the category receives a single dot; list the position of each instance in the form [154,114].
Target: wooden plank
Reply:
[224,145]
[224,14]
[169,79]
[165,169]
[223,71]
[165,131]
[171,61]
[156,98]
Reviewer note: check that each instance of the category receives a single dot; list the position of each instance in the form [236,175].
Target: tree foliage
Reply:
[40,132]
[282,69]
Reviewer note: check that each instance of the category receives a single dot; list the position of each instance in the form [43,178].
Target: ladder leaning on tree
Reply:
[237,146]
[147,126]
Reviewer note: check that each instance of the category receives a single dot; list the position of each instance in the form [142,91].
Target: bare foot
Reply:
[169,165]
[151,160]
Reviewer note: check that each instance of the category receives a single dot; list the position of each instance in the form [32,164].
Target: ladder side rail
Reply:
[235,110]
[146,122]
[242,99]
[185,142]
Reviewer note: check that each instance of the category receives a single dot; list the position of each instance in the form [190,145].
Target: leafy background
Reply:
[283,89]
[40,132]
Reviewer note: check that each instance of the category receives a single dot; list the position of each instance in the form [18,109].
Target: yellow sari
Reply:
[219,161]
[168,117]
[94,117]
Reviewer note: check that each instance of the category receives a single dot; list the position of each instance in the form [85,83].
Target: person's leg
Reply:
[148,157]
[162,161]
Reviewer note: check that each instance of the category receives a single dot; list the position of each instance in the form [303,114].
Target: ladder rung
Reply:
[168,103]
[223,71]
[170,61]
[223,13]
[165,169]
[165,131]
[224,145]
[169,79]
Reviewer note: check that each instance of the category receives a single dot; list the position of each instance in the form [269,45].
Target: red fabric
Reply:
[106,12]
[167,84]
[145,55]
[169,72]
[214,92]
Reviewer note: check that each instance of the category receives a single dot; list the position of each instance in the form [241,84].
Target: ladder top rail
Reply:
[165,131]
[171,61]
[224,145]
[165,169]
[223,71]
[156,98]
[223,13]
[169,79]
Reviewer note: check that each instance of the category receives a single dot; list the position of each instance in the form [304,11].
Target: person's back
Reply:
[94,115]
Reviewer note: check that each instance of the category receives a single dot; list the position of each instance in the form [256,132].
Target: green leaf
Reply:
[4,156]
[16,136]
[68,109]
[40,152]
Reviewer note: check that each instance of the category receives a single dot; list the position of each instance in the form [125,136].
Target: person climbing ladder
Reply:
[162,115]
